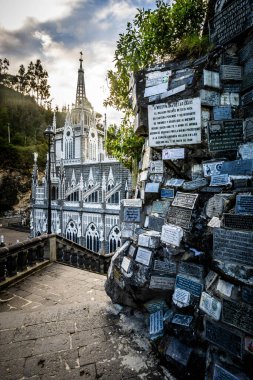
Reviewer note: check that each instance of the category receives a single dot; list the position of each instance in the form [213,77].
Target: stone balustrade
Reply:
[20,259]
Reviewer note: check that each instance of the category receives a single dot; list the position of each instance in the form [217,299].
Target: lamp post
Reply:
[49,134]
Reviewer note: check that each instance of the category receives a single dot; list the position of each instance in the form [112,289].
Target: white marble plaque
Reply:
[220,180]
[211,79]
[181,297]
[171,234]
[210,305]
[225,288]
[173,154]
[157,77]
[173,91]
[143,175]
[214,206]
[214,222]
[126,263]
[131,202]
[150,239]
[175,123]
[143,256]
[155,90]
[152,187]
[156,166]
[175,182]
[229,98]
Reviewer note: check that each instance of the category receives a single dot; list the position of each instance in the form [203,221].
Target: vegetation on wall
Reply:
[167,32]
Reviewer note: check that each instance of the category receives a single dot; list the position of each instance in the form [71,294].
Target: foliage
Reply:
[123,144]
[167,32]
[31,81]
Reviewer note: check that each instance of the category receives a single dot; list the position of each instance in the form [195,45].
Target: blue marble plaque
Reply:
[152,187]
[222,113]
[194,287]
[167,193]
[182,320]
[237,167]
[226,135]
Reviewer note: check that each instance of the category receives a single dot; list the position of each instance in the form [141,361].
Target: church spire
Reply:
[80,91]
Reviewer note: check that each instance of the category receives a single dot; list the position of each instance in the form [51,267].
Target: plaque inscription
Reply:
[179,216]
[239,315]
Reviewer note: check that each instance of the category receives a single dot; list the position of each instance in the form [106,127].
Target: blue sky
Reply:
[55,31]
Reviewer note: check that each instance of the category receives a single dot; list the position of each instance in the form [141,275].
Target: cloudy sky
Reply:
[55,31]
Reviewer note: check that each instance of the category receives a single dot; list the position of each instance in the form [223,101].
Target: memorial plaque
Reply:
[167,193]
[211,78]
[175,123]
[131,251]
[241,183]
[237,167]
[231,72]
[238,314]
[155,223]
[132,214]
[222,113]
[156,323]
[185,283]
[150,239]
[182,320]
[238,222]
[155,90]
[231,87]
[191,269]
[181,297]
[158,178]
[127,229]
[245,151]
[210,279]
[205,117]
[226,135]
[222,374]
[247,295]
[214,206]
[233,20]
[244,204]
[224,338]
[143,176]
[171,234]
[233,246]
[247,98]
[156,166]
[229,98]
[173,154]
[162,282]
[214,222]
[160,207]
[179,216]
[172,91]
[211,189]
[152,187]
[210,305]
[168,267]
[157,77]
[248,129]
[143,256]
[126,264]
[209,98]
[186,200]
[196,171]
[220,180]
[195,184]
[212,168]
[176,182]
[178,351]
[131,202]
[225,288]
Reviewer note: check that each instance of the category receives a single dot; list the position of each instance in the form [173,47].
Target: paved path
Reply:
[59,324]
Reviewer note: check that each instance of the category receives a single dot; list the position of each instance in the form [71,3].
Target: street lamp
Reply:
[49,134]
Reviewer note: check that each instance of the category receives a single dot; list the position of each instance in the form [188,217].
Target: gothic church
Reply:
[86,184]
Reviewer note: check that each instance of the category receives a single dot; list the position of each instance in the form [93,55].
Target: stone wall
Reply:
[188,257]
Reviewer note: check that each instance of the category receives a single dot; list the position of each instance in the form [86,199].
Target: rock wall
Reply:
[187,260]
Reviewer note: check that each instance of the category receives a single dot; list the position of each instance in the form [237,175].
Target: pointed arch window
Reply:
[114,199]
[71,231]
[92,238]
[114,239]
[69,151]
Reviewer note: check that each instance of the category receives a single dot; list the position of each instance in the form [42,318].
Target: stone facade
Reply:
[86,185]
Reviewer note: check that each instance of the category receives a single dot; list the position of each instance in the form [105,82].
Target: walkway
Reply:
[59,324]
